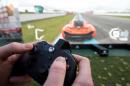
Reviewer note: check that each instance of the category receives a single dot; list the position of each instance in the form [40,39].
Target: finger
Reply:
[5,69]
[20,79]
[7,65]
[57,73]
[84,77]
[13,58]
[16,84]
[14,48]
[78,58]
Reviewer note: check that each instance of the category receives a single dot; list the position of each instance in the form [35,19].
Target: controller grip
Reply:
[20,67]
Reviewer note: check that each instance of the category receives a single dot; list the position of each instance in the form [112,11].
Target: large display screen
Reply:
[90,23]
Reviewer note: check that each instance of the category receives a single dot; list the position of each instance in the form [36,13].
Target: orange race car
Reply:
[78,29]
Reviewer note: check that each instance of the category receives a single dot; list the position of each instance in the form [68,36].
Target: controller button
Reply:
[51,49]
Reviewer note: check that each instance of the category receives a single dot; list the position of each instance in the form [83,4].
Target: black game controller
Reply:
[37,62]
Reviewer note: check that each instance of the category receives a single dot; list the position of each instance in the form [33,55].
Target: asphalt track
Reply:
[104,24]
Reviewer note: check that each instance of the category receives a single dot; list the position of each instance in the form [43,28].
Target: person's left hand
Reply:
[9,54]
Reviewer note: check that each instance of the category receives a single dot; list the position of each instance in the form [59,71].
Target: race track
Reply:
[104,24]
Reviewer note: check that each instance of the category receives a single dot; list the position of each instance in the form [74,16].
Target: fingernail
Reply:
[28,45]
[62,59]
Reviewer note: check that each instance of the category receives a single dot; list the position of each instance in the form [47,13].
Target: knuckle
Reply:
[82,83]
[58,68]
[86,59]
[14,45]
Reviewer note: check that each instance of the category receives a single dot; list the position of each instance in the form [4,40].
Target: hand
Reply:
[84,76]
[58,70]
[9,54]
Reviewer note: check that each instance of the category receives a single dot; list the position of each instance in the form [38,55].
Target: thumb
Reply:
[57,73]
[5,69]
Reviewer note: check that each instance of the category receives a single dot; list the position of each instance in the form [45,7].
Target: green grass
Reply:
[109,71]
[128,17]
[52,28]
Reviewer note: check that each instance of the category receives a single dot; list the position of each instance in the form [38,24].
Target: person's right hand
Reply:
[58,70]
[84,76]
